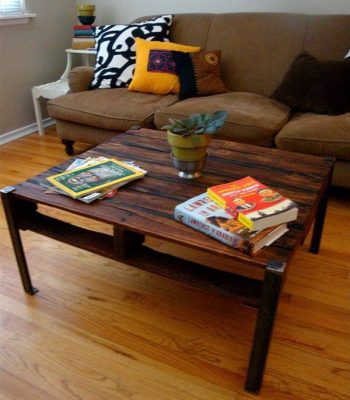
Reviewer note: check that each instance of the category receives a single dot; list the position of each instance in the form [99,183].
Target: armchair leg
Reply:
[69,146]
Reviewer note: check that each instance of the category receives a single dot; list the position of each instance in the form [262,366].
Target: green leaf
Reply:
[198,123]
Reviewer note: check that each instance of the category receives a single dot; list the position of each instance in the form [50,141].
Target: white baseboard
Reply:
[25,130]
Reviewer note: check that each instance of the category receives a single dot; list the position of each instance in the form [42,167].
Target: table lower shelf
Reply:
[127,247]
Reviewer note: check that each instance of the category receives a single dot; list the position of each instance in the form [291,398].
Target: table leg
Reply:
[321,214]
[10,213]
[125,242]
[38,114]
[272,285]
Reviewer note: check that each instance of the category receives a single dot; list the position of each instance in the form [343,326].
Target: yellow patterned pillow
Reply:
[155,67]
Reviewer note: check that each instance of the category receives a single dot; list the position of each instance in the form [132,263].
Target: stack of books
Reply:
[83,37]
[93,178]
[243,214]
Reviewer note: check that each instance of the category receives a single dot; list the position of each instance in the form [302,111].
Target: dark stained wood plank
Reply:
[146,206]
[145,258]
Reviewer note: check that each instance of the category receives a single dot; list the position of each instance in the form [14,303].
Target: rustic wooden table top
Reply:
[146,206]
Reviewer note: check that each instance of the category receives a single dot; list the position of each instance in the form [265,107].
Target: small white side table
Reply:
[57,88]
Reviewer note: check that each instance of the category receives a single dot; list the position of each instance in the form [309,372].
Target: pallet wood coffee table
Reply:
[145,207]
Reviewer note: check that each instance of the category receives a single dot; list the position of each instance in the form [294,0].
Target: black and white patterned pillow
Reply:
[116,54]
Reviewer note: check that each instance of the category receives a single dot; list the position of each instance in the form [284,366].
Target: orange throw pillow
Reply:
[155,67]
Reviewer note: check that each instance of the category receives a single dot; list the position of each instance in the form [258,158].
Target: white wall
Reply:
[32,54]
[123,11]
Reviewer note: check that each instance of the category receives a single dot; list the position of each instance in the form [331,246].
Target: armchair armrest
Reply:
[79,78]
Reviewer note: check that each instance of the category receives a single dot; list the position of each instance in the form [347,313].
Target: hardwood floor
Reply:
[101,330]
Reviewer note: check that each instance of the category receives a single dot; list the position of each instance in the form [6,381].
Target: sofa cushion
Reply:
[116,109]
[252,118]
[199,73]
[115,44]
[317,134]
[256,48]
[155,68]
[316,86]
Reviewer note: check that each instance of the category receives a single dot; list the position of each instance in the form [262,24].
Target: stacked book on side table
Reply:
[92,178]
[83,37]
[243,214]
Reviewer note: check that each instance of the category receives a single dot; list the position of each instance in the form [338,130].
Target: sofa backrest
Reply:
[258,48]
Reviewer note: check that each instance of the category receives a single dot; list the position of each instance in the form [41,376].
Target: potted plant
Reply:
[189,139]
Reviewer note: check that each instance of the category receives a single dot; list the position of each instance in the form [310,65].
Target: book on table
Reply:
[95,177]
[253,204]
[204,215]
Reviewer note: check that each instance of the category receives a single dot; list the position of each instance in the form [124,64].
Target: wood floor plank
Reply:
[100,330]
[80,356]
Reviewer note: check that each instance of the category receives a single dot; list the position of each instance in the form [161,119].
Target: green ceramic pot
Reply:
[189,148]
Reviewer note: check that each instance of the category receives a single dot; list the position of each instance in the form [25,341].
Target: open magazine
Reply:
[93,178]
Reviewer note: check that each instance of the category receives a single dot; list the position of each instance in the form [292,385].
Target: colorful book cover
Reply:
[85,34]
[94,177]
[253,204]
[84,27]
[204,215]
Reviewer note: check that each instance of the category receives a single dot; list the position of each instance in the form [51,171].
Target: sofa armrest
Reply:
[79,78]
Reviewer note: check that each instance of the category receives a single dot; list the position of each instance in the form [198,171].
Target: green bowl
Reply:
[86,13]
[86,7]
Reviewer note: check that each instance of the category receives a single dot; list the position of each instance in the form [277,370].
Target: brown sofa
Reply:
[257,50]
